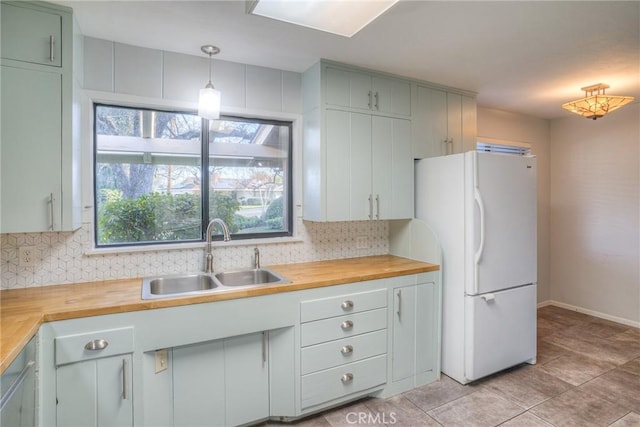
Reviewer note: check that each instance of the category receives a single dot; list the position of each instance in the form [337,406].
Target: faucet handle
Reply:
[256,258]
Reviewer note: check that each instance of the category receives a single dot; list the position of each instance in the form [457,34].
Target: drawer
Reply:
[341,327]
[324,386]
[92,345]
[341,305]
[347,350]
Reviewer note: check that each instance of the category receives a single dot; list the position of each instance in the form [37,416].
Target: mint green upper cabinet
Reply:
[31,154]
[357,155]
[444,123]
[358,90]
[40,153]
[31,35]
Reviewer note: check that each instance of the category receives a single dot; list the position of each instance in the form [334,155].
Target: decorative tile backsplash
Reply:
[61,257]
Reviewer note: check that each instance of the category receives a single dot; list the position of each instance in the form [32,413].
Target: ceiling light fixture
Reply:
[344,18]
[596,104]
[209,101]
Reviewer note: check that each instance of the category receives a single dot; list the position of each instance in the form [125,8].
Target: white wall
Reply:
[595,213]
[508,126]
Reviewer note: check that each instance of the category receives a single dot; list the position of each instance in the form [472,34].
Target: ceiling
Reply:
[522,56]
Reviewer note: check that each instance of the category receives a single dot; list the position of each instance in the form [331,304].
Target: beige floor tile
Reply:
[630,420]
[616,386]
[632,366]
[527,386]
[576,369]
[355,414]
[438,393]
[548,352]
[399,411]
[562,316]
[578,408]
[526,420]
[314,421]
[547,327]
[608,350]
[480,408]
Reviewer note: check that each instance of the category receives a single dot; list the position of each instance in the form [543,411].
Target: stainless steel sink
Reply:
[168,286]
[257,276]
[203,283]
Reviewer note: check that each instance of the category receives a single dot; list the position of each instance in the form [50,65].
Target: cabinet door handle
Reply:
[399,293]
[347,305]
[347,324]
[347,349]
[347,378]
[370,100]
[377,105]
[124,379]
[96,345]
[377,206]
[52,44]
[265,339]
[370,206]
[52,210]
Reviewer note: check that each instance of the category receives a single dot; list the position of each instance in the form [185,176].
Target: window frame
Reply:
[279,119]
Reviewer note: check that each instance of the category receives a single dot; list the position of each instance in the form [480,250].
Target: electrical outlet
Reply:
[362,242]
[162,360]
[27,256]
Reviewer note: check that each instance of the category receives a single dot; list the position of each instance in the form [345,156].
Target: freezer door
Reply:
[500,331]
[501,221]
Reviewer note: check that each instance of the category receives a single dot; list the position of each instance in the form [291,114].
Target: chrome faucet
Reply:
[256,258]
[225,232]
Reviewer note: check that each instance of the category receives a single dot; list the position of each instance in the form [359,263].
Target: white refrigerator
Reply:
[483,208]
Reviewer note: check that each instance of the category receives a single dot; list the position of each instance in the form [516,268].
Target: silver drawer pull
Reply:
[96,345]
[347,378]
[347,324]
[346,305]
[347,349]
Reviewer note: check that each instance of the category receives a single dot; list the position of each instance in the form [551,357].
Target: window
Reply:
[150,167]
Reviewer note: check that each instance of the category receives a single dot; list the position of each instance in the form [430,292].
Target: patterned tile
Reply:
[576,369]
[61,256]
[400,411]
[632,419]
[526,420]
[617,386]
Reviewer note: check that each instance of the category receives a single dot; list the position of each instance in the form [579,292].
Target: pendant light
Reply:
[596,104]
[209,100]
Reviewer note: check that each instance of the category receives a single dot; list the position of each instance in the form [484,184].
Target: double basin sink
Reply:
[203,283]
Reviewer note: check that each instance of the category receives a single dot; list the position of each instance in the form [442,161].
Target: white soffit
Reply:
[341,17]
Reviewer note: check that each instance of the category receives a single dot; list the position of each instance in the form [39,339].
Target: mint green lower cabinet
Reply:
[95,392]
[414,338]
[222,382]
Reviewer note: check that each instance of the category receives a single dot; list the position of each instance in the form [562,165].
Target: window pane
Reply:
[249,176]
[147,176]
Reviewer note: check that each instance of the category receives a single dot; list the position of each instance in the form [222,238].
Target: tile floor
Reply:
[588,374]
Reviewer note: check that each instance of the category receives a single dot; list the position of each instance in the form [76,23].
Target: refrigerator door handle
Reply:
[478,199]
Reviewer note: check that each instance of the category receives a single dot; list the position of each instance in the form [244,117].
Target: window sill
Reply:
[193,245]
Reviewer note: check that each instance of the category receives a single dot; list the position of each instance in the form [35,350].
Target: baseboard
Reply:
[590,312]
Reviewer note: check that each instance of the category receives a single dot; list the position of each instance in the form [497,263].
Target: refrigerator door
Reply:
[500,331]
[501,221]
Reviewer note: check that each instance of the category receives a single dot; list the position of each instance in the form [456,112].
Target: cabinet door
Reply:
[348,170]
[246,378]
[31,35]
[414,331]
[454,123]
[95,393]
[430,123]
[392,168]
[31,150]
[198,384]
[348,89]
[426,324]
[469,123]
[404,332]
[391,96]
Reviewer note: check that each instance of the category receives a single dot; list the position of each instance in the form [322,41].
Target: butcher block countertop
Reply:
[22,311]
